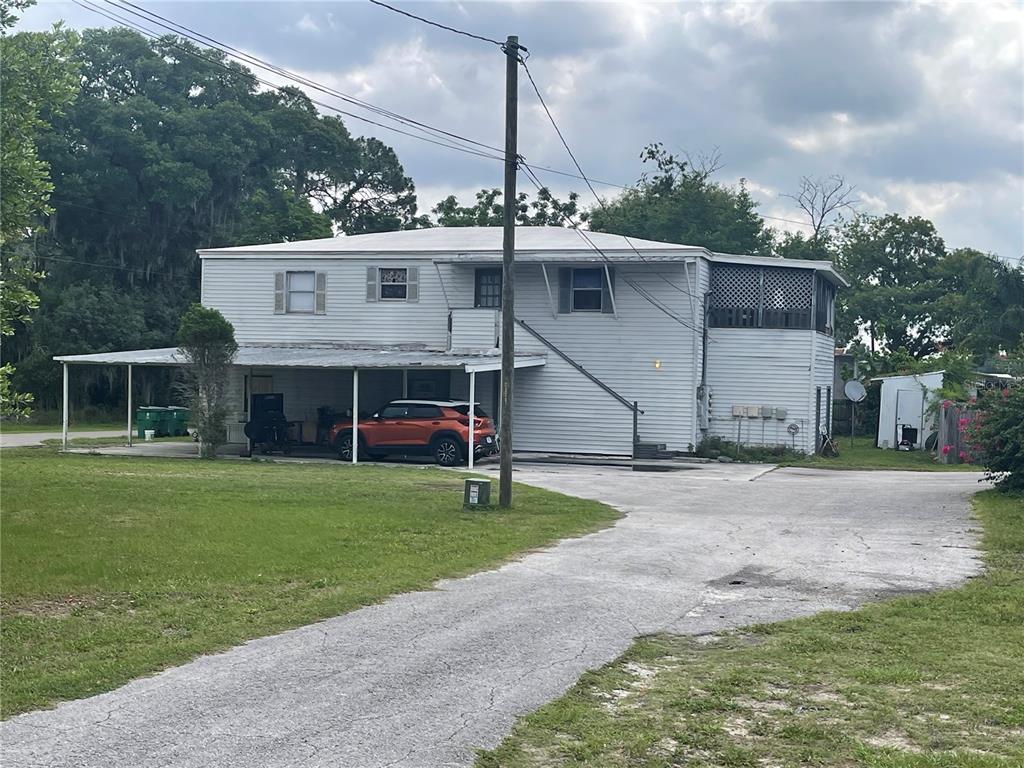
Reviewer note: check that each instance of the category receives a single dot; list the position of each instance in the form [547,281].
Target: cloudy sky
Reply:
[921,106]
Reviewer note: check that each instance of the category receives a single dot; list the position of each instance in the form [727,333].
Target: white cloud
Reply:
[306,24]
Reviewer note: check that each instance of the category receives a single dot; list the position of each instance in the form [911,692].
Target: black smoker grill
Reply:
[267,428]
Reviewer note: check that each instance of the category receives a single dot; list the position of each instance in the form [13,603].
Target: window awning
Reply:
[261,356]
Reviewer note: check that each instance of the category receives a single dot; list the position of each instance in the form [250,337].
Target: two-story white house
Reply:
[703,343]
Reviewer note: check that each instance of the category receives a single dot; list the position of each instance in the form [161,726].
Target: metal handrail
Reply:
[630,405]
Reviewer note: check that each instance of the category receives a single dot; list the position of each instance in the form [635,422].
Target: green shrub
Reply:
[997,437]
[716,447]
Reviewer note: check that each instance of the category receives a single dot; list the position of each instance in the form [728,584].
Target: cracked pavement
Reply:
[427,678]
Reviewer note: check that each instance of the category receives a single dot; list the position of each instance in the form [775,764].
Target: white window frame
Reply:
[599,290]
[288,291]
[380,284]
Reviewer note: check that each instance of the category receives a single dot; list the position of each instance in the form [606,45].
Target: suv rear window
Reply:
[464,410]
[394,411]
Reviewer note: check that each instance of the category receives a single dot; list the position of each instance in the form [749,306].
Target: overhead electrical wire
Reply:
[433,131]
[131,24]
[253,60]
[439,25]
[643,292]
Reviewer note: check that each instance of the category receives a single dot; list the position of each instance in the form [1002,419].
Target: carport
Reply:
[306,358]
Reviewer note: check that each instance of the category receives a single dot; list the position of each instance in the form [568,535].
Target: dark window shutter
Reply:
[607,289]
[564,290]
[279,293]
[412,284]
[371,284]
[321,293]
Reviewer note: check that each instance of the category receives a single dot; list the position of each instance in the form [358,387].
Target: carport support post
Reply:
[64,416]
[129,405]
[355,415]
[472,416]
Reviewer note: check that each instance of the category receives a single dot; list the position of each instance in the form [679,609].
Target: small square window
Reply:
[394,284]
[587,290]
[301,292]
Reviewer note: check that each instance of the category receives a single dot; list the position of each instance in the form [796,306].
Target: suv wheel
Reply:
[447,452]
[344,447]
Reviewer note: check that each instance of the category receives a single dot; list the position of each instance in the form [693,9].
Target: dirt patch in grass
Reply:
[55,607]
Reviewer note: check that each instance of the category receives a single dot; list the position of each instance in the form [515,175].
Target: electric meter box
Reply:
[477,494]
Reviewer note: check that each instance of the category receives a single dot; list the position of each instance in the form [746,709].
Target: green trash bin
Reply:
[177,420]
[151,417]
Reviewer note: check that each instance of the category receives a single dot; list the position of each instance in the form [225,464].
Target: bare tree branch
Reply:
[820,199]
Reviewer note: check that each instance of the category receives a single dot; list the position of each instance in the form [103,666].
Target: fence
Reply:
[952,447]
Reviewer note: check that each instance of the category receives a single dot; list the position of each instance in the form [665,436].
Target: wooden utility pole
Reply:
[508,251]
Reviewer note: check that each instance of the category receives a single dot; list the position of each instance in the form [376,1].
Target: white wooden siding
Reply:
[559,409]
[824,372]
[761,366]
[243,290]
[474,329]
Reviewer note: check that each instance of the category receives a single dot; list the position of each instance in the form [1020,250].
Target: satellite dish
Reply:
[855,391]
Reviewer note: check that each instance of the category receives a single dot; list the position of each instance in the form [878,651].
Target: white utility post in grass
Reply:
[355,415]
[64,417]
[472,417]
[129,405]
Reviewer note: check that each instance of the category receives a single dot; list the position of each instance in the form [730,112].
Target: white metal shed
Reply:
[904,405]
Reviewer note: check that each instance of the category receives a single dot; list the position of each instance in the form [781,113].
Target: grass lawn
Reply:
[932,681]
[864,455]
[116,567]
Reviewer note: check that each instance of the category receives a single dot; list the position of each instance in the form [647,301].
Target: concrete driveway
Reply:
[22,439]
[427,678]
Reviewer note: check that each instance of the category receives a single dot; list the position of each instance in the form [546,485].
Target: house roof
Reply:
[483,245]
[452,240]
[316,356]
[907,375]
[821,266]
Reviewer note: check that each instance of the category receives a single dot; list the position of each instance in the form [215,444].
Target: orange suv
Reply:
[439,428]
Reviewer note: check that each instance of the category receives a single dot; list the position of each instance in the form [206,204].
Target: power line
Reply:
[254,60]
[156,36]
[441,26]
[643,292]
[192,35]
[114,266]
[583,175]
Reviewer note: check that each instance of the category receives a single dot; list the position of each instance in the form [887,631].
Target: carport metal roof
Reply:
[265,356]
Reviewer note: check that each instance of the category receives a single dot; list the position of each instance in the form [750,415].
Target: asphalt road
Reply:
[427,678]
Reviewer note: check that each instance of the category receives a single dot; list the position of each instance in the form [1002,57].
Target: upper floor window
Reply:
[300,293]
[392,284]
[585,289]
[487,288]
